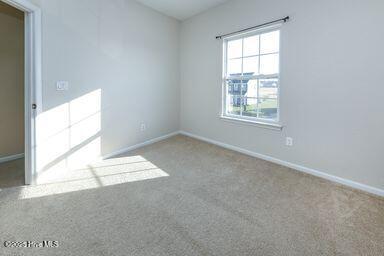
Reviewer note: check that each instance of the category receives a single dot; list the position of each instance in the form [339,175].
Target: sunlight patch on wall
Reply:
[68,135]
[85,154]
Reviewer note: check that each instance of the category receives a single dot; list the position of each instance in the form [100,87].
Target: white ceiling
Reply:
[181,9]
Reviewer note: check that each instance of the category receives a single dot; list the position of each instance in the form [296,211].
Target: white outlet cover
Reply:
[62,85]
[289,141]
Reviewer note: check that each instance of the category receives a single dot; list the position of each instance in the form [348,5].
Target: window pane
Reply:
[251,66]
[269,64]
[230,88]
[251,46]
[270,42]
[233,105]
[268,88]
[235,87]
[253,56]
[251,88]
[235,49]
[268,108]
[234,67]
[250,107]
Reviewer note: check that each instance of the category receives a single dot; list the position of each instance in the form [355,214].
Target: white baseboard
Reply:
[321,174]
[146,143]
[346,182]
[11,158]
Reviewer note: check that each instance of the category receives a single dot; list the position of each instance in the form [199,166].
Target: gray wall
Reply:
[331,83]
[121,60]
[11,81]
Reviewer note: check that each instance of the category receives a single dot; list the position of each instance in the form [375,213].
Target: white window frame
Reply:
[261,122]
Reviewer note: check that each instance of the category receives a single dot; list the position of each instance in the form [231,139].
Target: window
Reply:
[251,76]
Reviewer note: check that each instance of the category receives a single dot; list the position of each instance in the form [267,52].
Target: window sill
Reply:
[270,126]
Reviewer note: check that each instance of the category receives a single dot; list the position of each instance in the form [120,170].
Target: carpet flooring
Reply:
[12,173]
[186,197]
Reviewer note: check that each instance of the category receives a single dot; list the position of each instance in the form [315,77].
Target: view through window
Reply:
[251,77]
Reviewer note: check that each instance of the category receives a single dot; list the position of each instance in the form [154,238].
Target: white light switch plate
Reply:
[62,86]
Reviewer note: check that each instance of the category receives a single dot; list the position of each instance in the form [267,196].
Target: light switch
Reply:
[62,86]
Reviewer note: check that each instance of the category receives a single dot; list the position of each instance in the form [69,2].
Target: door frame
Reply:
[33,81]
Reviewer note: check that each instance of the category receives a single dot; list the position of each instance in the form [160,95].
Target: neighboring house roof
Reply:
[237,81]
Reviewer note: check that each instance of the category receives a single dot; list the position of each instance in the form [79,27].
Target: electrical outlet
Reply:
[289,142]
[62,85]
[143,127]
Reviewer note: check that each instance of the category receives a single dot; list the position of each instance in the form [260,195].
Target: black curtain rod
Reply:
[258,26]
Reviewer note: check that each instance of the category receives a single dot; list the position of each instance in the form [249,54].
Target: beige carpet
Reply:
[12,173]
[185,197]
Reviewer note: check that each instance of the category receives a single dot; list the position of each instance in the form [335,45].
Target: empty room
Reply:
[191,127]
